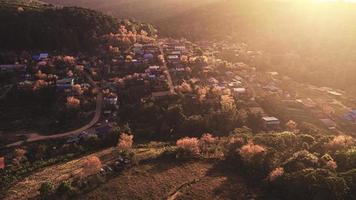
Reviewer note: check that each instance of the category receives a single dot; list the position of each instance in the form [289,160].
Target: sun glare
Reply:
[335,1]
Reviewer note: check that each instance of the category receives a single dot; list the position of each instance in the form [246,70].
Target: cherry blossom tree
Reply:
[125,141]
[91,166]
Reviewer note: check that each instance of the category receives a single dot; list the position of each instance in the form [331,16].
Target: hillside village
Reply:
[74,125]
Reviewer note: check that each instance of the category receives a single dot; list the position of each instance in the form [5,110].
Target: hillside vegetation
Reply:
[34,25]
[143,10]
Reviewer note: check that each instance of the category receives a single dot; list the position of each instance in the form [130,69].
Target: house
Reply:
[13,68]
[330,124]
[153,68]
[238,91]
[43,56]
[173,57]
[2,163]
[111,99]
[161,94]
[40,56]
[176,53]
[65,83]
[179,47]
[148,56]
[350,116]
[271,123]
[334,93]
[256,110]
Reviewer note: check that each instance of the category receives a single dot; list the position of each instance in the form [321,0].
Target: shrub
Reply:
[250,150]
[346,159]
[291,125]
[91,166]
[188,147]
[206,142]
[306,138]
[340,142]
[46,189]
[19,156]
[276,173]
[65,189]
[125,141]
[313,184]
[301,160]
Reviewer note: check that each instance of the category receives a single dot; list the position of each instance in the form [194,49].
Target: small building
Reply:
[330,124]
[173,57]
[161,94]
[148,56]
[40,56]
[111,99]
[350,116]
[179,47]
[13,68]
[271,123]
[238,91]
[65,83]
[153,68]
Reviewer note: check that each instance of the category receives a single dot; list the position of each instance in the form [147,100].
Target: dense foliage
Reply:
[42,26]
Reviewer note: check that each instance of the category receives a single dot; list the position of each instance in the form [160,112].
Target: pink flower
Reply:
[190,144]
[249,150]
[125,141]
[278,172]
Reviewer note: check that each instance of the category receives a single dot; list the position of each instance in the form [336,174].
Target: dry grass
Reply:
[28,188]
[173,180]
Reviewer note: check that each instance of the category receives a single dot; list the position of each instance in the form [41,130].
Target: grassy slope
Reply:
[153,178]
[174,180]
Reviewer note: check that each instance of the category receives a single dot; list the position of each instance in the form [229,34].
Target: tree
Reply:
[91,166]
[19,156]
[276,173]
[72,102]
[188,147]
[46,189]
[125,141]
[291,125]
[206,142]
[249,150]
[65,189]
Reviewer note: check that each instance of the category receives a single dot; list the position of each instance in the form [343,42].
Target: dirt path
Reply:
[173,195]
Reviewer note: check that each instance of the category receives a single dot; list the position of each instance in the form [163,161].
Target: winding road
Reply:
[34,137]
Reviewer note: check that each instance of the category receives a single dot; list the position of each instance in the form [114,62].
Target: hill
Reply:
[34,25]
[143,10]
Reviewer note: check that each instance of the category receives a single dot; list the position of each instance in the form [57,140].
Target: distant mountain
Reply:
[143,10]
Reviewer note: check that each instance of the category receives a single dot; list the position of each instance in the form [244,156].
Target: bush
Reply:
[340,142]
[248,151]
[188,147]
[346,159]
[91,166]
[276,173]
[313,184]
[207,143]
[301,160]
[125,141]
[65,189]
[46,189]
